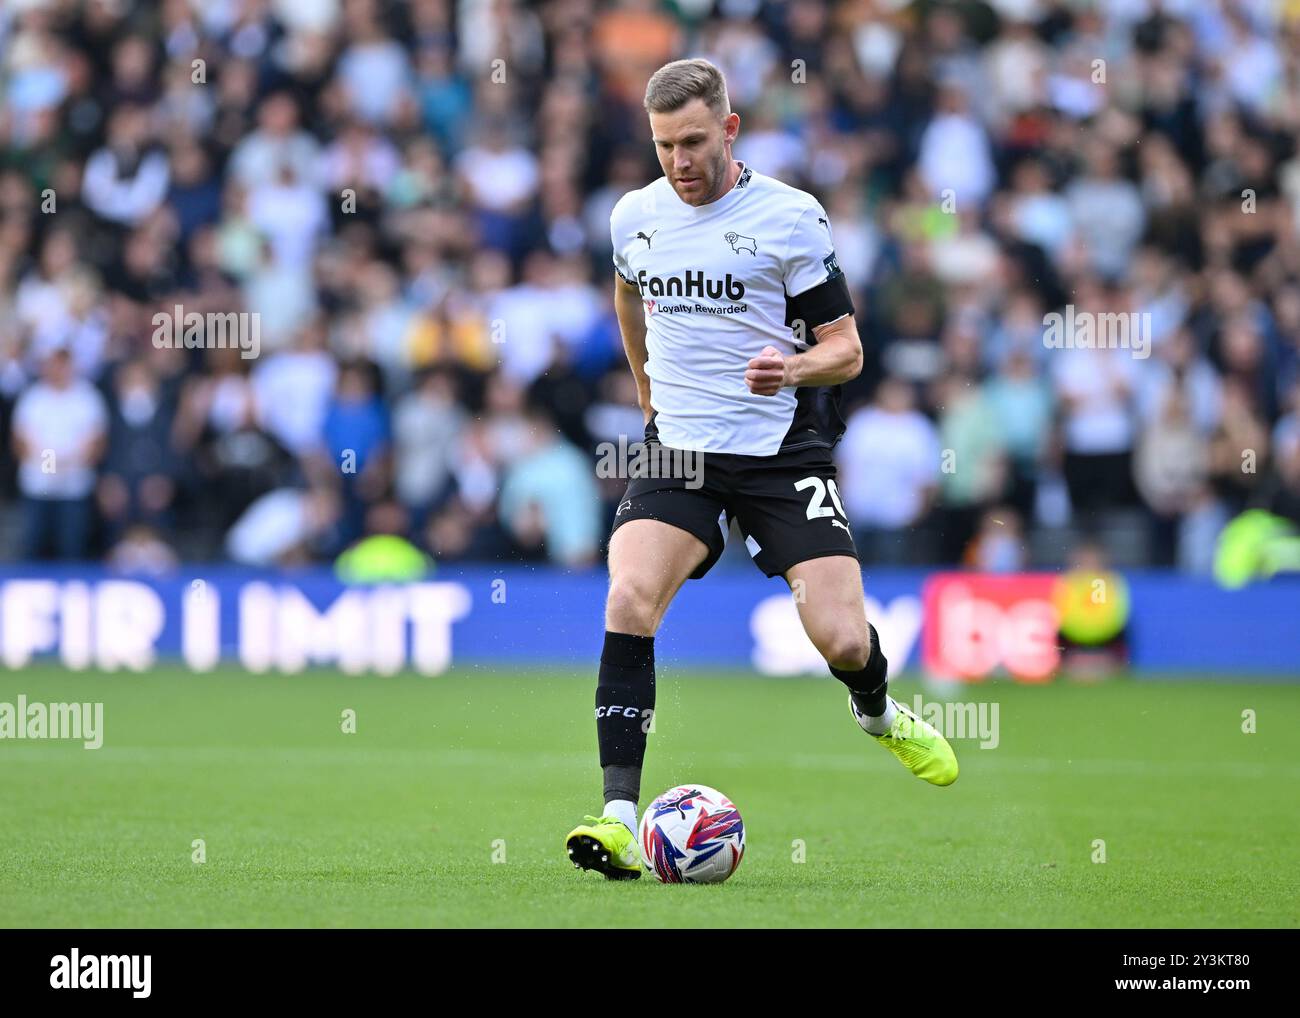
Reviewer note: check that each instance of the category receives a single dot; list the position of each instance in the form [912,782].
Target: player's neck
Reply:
[728,182]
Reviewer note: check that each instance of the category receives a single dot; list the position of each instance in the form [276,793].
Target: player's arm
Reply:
[836,358]
[631,324]
[820,304]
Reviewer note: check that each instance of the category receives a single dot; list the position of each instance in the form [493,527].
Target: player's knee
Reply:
[847,649]
[632,607]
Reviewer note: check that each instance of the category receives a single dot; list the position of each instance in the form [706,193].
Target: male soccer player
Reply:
[739,329]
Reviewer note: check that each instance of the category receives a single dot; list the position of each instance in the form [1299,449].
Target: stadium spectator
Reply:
[427,186]
[59,432]
[283,528]
[1095,388]
[889,462]
[973,473]
[127,179]
[1021,404]
[137,482]
[357,442]
[292,390]
[549,496]
[998,545]
[427,425]
[1171,469]
[277,142]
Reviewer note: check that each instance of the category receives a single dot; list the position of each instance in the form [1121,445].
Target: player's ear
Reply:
[731,126]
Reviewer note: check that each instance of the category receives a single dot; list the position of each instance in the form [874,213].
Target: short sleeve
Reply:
[616,240]
[815,288]
[621,267]
[810,253]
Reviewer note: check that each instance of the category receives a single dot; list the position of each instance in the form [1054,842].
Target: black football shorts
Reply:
[786,506]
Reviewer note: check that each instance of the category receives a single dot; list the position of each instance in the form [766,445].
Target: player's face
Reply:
[694,149]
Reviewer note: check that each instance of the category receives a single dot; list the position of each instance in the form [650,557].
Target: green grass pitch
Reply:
[449,804]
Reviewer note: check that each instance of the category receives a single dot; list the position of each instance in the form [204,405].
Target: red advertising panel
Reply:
[978,624]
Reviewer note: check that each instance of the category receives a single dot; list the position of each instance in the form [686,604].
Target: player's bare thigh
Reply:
[649,560]
[832,608]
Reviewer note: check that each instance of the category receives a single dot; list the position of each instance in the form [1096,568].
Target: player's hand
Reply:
[766,374]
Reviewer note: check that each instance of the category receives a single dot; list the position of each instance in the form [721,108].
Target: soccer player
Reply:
[739,330]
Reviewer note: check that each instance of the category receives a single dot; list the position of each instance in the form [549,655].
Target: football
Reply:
[692,834]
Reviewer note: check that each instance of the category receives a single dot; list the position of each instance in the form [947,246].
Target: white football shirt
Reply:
[716,281]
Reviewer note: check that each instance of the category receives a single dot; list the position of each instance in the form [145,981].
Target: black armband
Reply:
[824,303]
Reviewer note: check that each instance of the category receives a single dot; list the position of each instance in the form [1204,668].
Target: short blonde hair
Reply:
[674,85]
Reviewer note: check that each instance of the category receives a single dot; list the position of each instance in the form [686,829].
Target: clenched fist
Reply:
[766,373]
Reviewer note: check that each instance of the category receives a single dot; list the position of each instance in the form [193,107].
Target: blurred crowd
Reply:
[413,200]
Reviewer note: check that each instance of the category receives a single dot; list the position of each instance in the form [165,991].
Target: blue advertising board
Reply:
[89,617]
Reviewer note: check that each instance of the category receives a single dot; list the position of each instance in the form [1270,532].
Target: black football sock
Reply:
[870,683]
[625,701]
